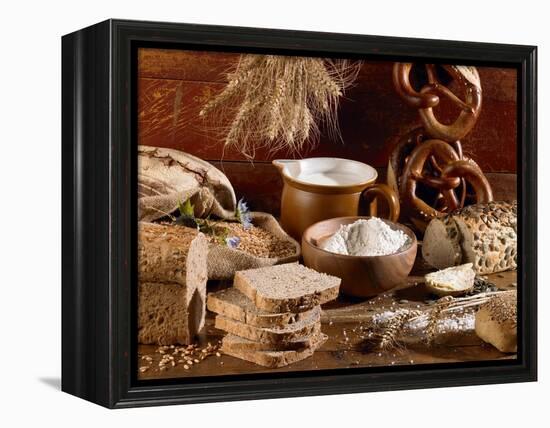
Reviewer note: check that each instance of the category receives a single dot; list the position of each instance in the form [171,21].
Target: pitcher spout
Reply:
[281,163]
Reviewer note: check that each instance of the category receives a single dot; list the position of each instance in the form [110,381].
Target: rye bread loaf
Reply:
[231,303]
[288,287]
[297,331]
[167,177]
[496,322]
[172,275]
[232,346]
[482,234]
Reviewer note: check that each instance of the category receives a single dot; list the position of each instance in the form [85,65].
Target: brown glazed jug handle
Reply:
[374,191]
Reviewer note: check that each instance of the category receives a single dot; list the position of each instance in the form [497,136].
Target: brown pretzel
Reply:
[429,97]
[468,171]
[402,148]
[401,71]
[455,172]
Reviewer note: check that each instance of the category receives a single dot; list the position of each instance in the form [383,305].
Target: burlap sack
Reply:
[223,261]
[167,176]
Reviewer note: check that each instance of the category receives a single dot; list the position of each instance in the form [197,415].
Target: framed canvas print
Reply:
[252,213]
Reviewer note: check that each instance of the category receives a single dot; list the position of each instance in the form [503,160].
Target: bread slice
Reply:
[241,343]
[298,331]
[453,281]
[231,303]
[441,244]
[289,287]
[271,359]
[172,275]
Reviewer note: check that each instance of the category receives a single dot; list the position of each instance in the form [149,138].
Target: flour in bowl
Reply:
[371,237]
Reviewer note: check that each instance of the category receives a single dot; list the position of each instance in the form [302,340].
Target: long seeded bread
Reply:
[172,275]
[487,237]
[271,359]
[298,331]
[231,303]
[288,287]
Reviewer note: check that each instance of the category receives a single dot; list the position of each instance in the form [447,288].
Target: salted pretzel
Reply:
[429,95]
[449,171]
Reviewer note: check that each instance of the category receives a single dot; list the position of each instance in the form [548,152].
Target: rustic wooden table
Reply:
[343,321]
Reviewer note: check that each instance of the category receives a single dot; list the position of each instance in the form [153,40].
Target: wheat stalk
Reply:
[278,102]
[434,316]
[387,336]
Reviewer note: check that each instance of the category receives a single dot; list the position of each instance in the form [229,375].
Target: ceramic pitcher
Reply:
[317,189]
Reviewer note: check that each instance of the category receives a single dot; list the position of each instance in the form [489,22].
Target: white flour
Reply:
[463,322]
[370,237]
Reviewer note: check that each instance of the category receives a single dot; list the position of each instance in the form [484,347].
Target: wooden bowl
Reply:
[362,276]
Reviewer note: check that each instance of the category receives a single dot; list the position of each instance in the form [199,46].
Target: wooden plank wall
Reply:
[173,86]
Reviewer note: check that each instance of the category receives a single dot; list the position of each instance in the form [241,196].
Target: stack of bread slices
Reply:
[272,315]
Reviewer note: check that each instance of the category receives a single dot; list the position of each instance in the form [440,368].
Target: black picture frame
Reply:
[99,207]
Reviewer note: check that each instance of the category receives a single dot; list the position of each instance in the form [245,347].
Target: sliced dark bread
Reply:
[240,343]
[289,287]
[271,359]
[231,303]
[171,283]
[300,330]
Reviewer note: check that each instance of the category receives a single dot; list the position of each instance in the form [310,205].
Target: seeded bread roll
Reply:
[271,359]
[231,303]
[453,281]
[487,237]
[172,275]
[298,331]
[496,322]
[289,287]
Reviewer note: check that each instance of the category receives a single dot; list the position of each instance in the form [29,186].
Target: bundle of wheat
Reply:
[386,335]
[278,102]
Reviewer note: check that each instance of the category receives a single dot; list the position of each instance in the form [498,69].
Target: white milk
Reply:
[329,178]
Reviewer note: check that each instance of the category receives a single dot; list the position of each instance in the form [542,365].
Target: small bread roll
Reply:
[496,322]
[453,281]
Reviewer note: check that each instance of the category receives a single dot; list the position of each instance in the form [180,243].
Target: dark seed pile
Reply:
[481,285]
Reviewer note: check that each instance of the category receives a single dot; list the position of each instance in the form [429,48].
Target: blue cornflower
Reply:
[243,214]
[233,241]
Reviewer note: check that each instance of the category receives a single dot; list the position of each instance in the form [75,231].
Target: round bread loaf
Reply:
[482,234]
[496,321]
